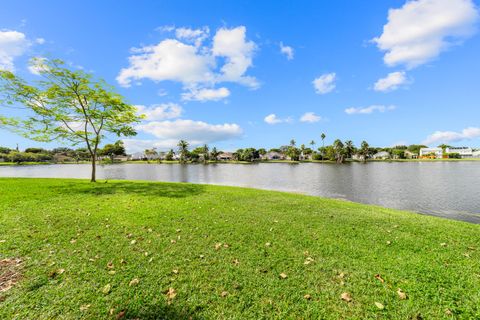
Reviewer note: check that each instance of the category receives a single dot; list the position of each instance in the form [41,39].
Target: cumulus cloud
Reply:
[452,136]
[199,68]
[391,82]
[287,51]
[190,130]
[310,117]
[160,112]
[12,45]
[325,83]
[206,94]
[196,36]
[369,110]
[273,119]
[420,30]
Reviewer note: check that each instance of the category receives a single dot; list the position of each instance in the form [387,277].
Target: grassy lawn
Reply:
[127,250]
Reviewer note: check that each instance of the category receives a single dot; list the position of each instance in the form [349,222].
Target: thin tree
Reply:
[349,148]
[183,150]
[339,150]
[67,105]
[364,150]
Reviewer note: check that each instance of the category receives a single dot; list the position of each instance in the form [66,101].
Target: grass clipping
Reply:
[9,273]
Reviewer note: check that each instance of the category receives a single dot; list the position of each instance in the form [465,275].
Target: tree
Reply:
[183,150]
[67,105]
[214,154]
[323,136]
[112,150]
[169,155]
[364,150]
[339,150]
[206,155]
[151,154]
[292,143]
[349,149]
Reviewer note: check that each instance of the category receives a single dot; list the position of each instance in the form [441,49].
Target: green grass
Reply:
[54,224]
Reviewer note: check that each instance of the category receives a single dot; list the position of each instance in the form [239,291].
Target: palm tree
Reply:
[339,150]
[183,150]
[205,153]
[292,143]
[364,150]
[214,154]
[323,136]
[349,148]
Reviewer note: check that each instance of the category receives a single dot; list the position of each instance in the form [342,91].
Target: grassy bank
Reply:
[164,250]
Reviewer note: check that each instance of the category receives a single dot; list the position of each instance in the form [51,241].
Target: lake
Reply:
[446,189]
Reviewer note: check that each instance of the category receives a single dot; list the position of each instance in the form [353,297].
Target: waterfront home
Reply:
[382,155]
[432,153]
[138,156]
[464,152]
[121,158]
[225,156]
[476,153]
[274,155]
[411,155]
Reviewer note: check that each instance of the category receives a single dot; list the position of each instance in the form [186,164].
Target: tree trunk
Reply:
[94,169]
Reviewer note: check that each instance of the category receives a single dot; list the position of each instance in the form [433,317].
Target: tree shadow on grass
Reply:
[168,190]
[162,312]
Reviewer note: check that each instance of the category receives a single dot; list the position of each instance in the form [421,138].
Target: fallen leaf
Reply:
[379,305]
[179,230]
[134,282]
[123,261]
[171,293]
[149,230]
[73,241]
[133,241]
[218,246]
[121,314]
[107,288]
[84,307]
[110,265]
[225,245]
[173,241]
[307,297]
[379,277]
[111,272]
[341,275]
[346,297]
[111,311]
[175,271]
[443,244]
[389,243]
[402,295]
[466,255]
[448,312]
[236,262]
[268,244]
[224,294]
[308,261]
[283,275]
[202,256]
[145,254]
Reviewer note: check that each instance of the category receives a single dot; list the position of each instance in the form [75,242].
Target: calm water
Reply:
[447,189]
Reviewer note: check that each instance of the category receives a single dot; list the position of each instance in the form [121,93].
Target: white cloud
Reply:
[40,41]
[196,36]
[160,112]
[12,45]
[325,83]
[453,136]
[420,30]
[369,110]
[192,131]
[196,66]
[310,117]
[168,60]
[287,51]
[232,45]
[391,82]
[206,94]
[273,119]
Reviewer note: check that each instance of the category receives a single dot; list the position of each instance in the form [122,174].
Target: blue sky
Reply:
[259,73]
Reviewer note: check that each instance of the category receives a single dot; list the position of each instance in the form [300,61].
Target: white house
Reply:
[274,155]
[225,156]
[427,152]
[465,152]
[381,155]
[476,153]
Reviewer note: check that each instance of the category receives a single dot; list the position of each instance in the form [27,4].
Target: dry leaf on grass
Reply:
[346,297]
[134,282]
[84,307]
[107,288]
[171,293]
[283,276]
[379,305]
[307,297]
[218,246]
[402,295]
[379,278]
[9,273]
[224,294]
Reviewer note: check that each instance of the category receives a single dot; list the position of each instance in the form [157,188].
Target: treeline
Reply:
[59,155]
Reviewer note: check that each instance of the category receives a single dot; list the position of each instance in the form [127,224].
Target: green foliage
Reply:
[183,150]
[415,148]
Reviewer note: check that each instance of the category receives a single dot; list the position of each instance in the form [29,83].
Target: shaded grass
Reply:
[155,228]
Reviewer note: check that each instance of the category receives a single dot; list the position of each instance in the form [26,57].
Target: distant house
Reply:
[476,153]
[464,152]
[410,155]
[138,156]
[305,156]
[121,158]
[274,155]
[382,155]
[225,156]
[433,153]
